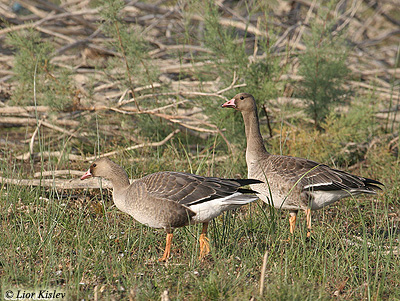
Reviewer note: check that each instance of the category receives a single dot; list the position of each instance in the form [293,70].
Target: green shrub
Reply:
[228,54]
[344,140]
[128,41]
[34,71]
[323,66]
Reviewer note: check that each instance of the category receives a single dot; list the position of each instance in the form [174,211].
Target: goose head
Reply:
[104,168]
[243,102]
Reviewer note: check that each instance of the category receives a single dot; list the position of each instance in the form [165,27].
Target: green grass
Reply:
[79,242]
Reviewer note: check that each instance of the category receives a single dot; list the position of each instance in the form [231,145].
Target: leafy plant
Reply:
[228,52]
[323,66]
[130,43]
[35,73]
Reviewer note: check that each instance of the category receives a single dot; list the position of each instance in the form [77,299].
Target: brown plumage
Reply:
[171,200]
[289,182]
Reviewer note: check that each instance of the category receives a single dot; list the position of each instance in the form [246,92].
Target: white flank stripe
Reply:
[317,185]
[206,211]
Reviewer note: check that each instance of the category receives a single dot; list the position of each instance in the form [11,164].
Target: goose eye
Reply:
[241,97]
[94,164]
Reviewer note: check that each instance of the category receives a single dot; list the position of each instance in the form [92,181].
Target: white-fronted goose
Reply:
[173,199]
[289,182]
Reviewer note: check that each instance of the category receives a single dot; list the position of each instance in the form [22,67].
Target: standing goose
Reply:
[171,200]
[293,183]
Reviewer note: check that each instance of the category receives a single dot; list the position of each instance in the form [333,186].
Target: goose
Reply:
[169,200]
[289,182]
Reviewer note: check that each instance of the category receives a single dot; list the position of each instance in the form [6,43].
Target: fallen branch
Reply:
[59,184]
[56,173]
[20,121]
[46,155]
[182,93]
[22,110]
[162,142]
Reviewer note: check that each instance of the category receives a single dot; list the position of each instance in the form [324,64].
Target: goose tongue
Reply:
[87,174]
[229,104]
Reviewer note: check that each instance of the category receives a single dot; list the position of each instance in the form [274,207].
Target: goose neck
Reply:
[118,177]
[255,143]
[120,183]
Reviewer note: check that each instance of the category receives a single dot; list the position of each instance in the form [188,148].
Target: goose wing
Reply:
[314,176]
[188,189]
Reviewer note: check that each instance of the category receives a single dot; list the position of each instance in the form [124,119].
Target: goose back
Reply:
[194,198]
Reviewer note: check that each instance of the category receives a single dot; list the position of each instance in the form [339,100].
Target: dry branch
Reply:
[15,110]
[223,21]
[47,155]
[57,173]
[20,121]
[59,184]
[162,142]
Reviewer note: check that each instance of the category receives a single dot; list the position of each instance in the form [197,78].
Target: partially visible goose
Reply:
[172,199]
[289,182]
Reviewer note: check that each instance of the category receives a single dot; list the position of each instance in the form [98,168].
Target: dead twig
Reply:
[263,269]
[57,173]
[47,155]
[32,140]
[268,122]
[31,121]
[59,184]
[162,142]
[22,110]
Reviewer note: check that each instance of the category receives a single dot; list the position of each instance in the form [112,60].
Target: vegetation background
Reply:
[142,83]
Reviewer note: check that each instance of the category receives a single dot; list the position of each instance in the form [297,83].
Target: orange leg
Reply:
[292,220]
[167,251]
[308,217]
[203,240]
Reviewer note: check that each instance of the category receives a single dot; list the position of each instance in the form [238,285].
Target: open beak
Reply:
[86,175]
[229,104]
